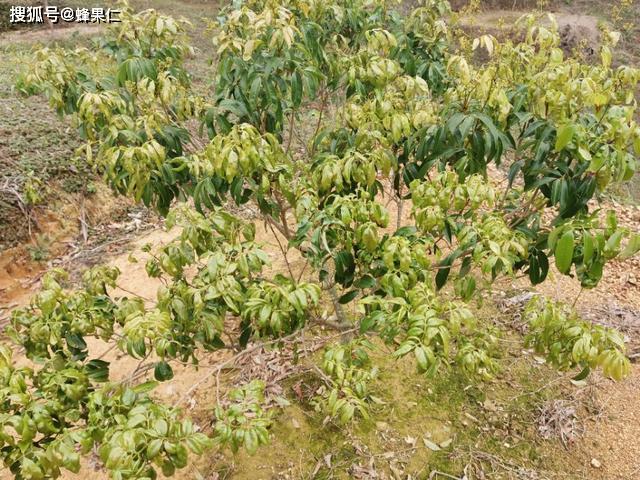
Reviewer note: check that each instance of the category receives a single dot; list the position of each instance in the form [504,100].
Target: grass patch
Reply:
[36,144]
[449,423]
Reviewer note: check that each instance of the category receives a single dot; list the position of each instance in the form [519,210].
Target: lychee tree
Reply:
[499,159]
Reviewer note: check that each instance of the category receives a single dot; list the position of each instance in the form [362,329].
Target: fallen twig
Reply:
[436,473]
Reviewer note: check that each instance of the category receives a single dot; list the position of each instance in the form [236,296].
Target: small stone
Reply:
[409,440]
[490,405]
[595,463]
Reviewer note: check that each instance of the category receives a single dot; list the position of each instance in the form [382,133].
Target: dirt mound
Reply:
[579,32]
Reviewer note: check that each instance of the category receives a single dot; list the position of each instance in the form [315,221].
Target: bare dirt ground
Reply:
[612,439]
[77,237]
[609,448]
[42,34]
[191,387]
[21,285]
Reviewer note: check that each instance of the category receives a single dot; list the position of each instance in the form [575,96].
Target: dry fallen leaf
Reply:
[409,440]
[382,425]
[431,445]
[446,443]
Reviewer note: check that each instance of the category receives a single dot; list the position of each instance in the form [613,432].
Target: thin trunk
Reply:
[45,6]
[399,200]
[341,318]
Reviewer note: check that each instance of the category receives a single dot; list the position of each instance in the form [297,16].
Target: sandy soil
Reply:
[134,280]
[612,441]
[610,446]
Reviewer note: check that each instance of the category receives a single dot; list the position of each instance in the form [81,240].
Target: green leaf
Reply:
[421,358]
[346,413]
[347,297]
[29,469]
[345,267]
[367,323]
[467,287]
[404,349]
[564,135]
[145,387]
[441,277]
[168,468]
[538,267]
[154,447]
[128,397]
[611,222]
[163,371]
[71,461]
[296,89]
[198,442]
[584,154]
[366,281]
[136,420]
[632,247]
[613,244]
[98,370]
[406,231]
[161,427]
[245,334]
[75,340]
[583,374]
[588,248]
[564,252]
